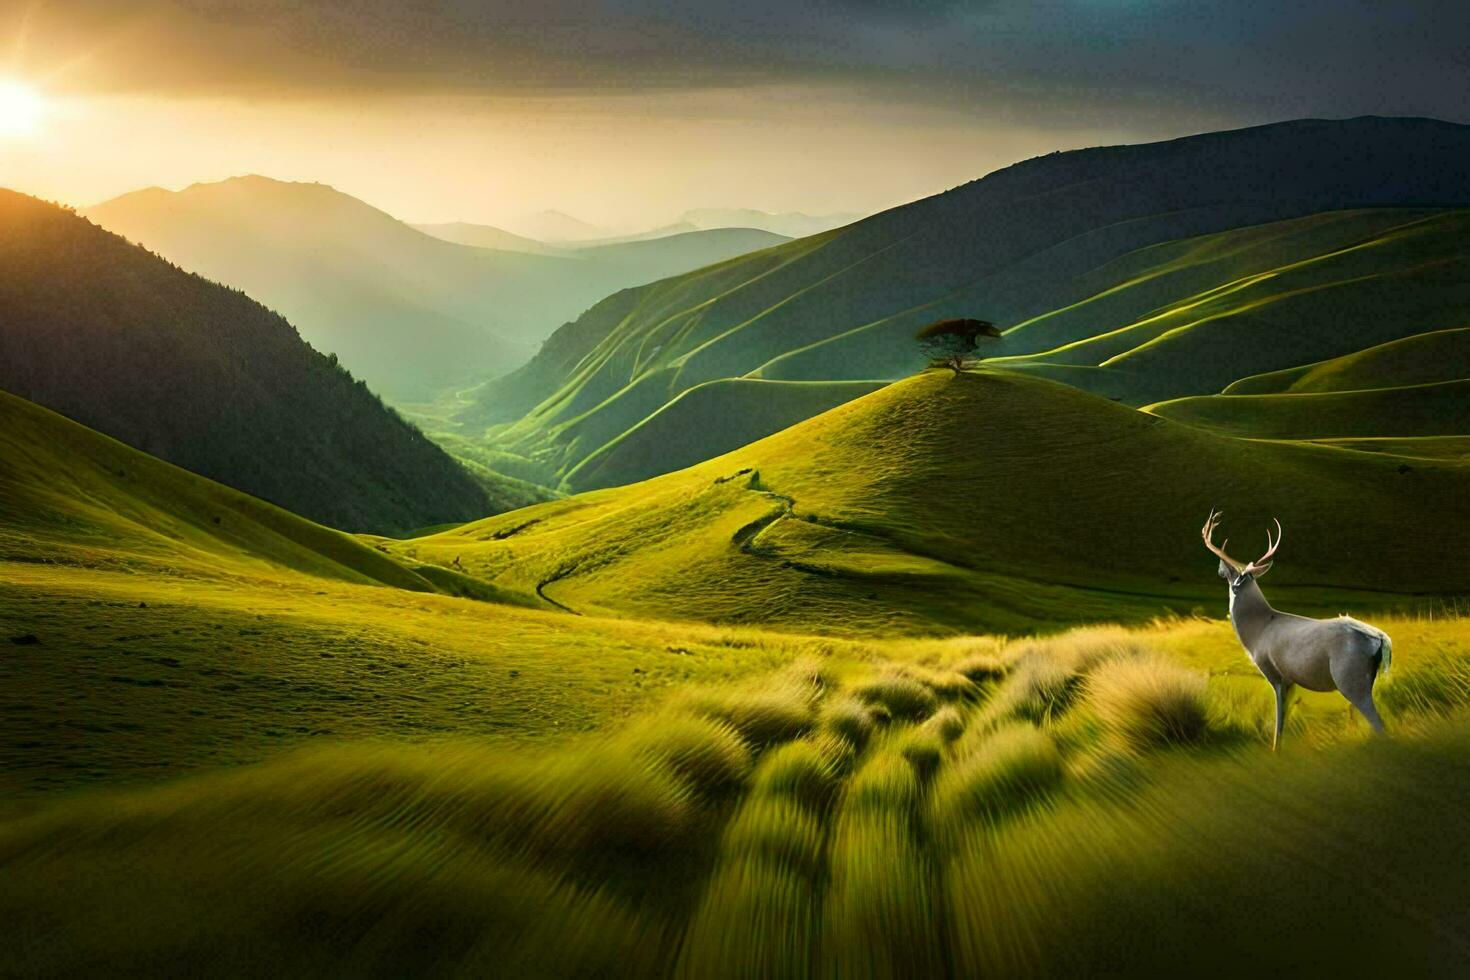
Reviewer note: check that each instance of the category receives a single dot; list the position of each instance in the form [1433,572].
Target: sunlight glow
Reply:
[20,109]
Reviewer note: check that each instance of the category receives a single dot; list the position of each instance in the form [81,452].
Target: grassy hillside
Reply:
[1096,802]
[154,622]
[710,419]
[1426,358]
[198,374]
[1017,245]
[1409,411]
[990,501]
[75,498]
[412,313]
[234,742]
[1268,299]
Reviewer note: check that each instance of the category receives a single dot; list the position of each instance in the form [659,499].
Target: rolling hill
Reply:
[991,501]
[1021,247]
[411,313]
[202,376]
[74,497]
[1263,299]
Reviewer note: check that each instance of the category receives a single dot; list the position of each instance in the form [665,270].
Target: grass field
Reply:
[234,742]
[1103,799]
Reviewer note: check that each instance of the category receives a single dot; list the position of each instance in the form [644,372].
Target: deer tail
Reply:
[1385,653]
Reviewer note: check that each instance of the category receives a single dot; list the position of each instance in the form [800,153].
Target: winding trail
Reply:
[541,590]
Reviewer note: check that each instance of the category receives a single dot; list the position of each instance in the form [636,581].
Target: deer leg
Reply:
[1356,684]
[1364,703]
[1282,690]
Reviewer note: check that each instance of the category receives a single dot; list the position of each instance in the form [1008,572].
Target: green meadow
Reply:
[721,637]
[789,712]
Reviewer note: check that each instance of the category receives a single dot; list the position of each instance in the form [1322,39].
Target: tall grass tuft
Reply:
[995,774]
[777,830]
[848,718]
[879,918]
[798,771]
[947,723]
[755,919]
[708,754]
[1149,702]
[923,748]
[904,697]
[765,715]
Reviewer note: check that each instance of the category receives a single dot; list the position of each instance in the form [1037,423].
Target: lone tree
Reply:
[949,343]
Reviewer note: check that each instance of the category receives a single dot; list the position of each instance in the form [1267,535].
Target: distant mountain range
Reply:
[202,376]
[411,313]
[1141,272]
[559,230]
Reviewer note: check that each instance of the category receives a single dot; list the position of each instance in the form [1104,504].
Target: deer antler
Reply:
[1262,565]
[1208,534]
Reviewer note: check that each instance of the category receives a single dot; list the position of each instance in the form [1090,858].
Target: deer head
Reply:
[1231,570]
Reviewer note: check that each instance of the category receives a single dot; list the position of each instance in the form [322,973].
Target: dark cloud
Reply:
[1057,61]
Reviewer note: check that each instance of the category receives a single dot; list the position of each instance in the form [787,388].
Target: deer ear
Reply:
[1259,570]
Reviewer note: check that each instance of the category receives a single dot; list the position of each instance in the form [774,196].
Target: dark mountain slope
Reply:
[204,377]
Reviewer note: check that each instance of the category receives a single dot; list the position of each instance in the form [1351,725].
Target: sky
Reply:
[627,112]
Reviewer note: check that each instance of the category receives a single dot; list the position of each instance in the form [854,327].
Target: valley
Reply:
[716,632]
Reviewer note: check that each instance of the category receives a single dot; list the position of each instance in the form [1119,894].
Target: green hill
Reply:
[413,314]
[1410,411]
[710,419]
[153,622]
[1265,299]
[1019,247]
[70,496]
[991,501]
[200,375]
[1426,358]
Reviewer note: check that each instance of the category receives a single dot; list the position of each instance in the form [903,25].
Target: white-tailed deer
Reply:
[1339,654]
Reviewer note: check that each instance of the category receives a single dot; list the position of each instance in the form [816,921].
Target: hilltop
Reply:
[413,314]
[992,501]
[1020,247]
[202,376]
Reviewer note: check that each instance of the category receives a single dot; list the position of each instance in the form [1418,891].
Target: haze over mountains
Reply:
[1059,250]
[206,378]
[554,228]
[412,314]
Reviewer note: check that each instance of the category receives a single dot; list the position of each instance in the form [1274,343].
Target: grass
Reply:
[677,846]
[1149,702]
[261,768]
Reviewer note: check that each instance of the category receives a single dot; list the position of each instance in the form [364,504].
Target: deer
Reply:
[1339,654]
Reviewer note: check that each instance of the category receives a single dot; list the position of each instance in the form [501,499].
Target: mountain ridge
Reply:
[198,374]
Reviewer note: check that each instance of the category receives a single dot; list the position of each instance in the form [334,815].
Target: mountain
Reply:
[992,501]
[202,376]
[1022,247]
[650,257]
[792,224]
[412,314]
[556,227]
[488,236]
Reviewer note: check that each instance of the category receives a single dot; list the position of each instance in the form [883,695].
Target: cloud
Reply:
[1059,60]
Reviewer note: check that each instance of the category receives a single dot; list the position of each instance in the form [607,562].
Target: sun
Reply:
[20,109]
